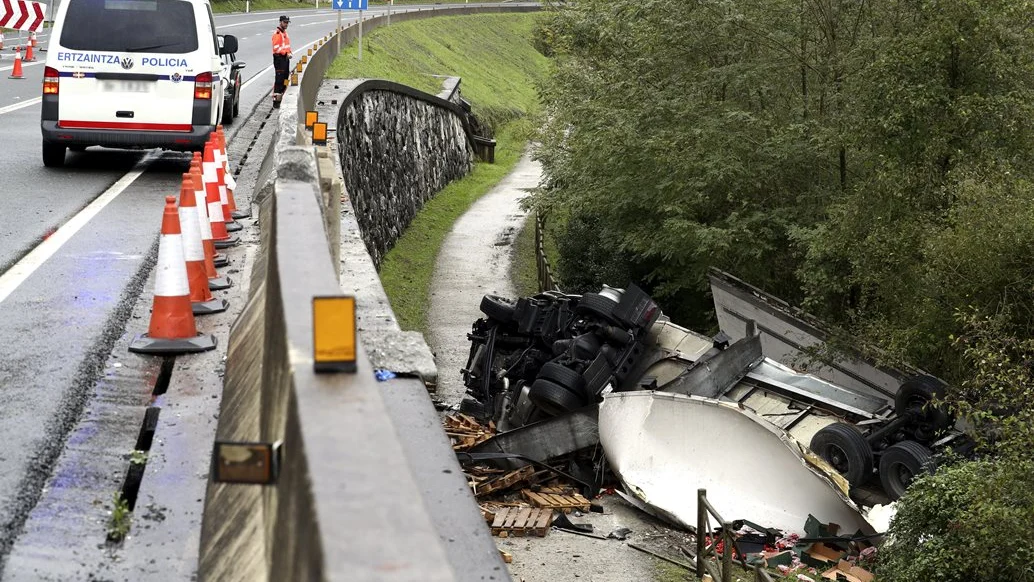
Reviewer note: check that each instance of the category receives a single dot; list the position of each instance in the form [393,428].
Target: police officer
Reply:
[281,59]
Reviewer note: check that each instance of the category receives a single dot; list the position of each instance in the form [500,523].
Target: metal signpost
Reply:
[359,5]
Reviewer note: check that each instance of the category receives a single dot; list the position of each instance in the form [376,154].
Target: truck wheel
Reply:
[900,463]
[598,306]
[498,308]
[563,376]
[53,155]
[553,398]
[917,394]
[843,446]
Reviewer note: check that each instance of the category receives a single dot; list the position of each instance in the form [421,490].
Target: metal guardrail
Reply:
[547,282]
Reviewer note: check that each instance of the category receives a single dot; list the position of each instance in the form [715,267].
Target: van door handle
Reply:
[128,114]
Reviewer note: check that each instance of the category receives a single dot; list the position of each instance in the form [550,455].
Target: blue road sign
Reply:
[350,4]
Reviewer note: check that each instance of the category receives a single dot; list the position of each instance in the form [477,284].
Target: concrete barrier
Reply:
[369,487]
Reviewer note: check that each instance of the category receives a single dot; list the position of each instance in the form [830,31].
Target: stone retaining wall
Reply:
[398,149]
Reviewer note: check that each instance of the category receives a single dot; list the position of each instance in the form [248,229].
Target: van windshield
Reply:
[161,26]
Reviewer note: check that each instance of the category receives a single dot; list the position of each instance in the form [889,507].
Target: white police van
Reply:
[132,74]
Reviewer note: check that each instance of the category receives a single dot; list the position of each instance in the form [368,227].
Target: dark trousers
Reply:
[282,66]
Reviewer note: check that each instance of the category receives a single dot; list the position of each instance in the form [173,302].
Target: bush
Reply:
[972,521]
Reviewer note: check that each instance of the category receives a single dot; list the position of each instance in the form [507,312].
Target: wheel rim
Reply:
[903,474]
[837,458]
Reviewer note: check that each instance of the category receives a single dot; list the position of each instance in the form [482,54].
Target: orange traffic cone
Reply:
[217,259]
[32,39]
[220,236]
[172,329]
[201,300]
[16,73]
[220,173]
[28,54]
[231,184]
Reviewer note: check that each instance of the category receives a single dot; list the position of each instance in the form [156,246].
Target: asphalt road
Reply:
[77,245]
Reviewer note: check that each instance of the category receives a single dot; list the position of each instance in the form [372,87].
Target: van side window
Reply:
[154,26]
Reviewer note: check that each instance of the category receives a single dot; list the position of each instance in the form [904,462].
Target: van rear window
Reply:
[152,26]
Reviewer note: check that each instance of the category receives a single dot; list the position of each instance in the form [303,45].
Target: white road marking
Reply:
[24,268]
[21,105]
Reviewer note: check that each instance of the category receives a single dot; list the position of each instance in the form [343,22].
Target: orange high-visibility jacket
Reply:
[281,42]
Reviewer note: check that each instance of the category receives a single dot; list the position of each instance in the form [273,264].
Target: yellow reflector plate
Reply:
[333,328]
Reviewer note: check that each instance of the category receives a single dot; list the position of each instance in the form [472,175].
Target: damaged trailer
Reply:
[551,370]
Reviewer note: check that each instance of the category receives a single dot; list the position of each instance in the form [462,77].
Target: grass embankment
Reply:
[494,57]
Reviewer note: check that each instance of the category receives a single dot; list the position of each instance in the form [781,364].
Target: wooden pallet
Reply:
[561,502]
[465,432]
[507,481]
[521,521]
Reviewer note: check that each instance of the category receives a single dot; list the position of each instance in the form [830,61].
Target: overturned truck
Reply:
[554,373]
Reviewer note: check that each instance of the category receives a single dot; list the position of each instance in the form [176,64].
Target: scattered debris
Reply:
[620,533]
[562,522]
[465,432]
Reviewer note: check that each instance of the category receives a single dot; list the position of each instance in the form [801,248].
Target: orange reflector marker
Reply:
[319,133]
[294,79]
[298,67]
[310,52]
[333,331]
[310,118]
[251,463]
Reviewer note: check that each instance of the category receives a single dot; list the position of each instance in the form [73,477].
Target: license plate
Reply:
[127,86]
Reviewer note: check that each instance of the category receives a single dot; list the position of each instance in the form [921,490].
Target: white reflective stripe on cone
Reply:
[170,280]
[192,249]
[202,214]
[230,182]
[215,213]
[208,173]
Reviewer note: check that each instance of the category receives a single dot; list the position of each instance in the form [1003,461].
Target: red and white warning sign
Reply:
[22,15]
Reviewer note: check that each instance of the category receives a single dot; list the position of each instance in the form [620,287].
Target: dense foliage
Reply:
[973,520]
[868,160]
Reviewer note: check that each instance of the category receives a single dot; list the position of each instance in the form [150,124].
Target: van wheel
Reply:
[227,114]
[53,155]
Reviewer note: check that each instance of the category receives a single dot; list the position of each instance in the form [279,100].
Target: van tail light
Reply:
[50,81]
[203,86]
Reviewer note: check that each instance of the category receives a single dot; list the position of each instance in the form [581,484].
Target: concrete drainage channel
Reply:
[119,523]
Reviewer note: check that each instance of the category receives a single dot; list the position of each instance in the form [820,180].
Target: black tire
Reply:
[553,398]
[843,446]
[900,463]
[916,394]
[498,308]
[53,155]
[237,100]
[598,306]
[227,112]
[563,376]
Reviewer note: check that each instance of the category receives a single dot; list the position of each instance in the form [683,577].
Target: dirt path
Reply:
[474,261]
